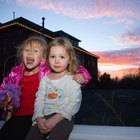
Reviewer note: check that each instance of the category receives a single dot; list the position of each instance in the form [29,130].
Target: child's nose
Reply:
[56,60]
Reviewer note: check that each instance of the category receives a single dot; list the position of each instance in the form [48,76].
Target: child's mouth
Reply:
[29,61]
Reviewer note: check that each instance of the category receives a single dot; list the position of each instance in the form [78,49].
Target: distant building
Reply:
[14,32]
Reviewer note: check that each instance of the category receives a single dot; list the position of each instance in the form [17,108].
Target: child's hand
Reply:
[41,125]
[5,101]
[51,122]
[10,111]
[1,104]
[79,78]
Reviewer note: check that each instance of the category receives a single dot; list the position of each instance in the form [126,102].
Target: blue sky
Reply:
[108,28]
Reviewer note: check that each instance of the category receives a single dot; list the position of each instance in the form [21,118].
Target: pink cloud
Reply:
[90,9]
[118,63]
[130,37]
[121,57]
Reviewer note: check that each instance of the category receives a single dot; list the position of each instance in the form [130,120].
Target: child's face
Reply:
[32,55]
[58,59]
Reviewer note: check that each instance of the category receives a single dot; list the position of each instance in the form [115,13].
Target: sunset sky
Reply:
[107,28]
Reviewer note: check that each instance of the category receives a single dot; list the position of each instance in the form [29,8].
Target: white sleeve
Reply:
[40,99]
[74,101]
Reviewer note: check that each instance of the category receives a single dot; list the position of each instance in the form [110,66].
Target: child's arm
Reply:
[13,77]
[74,101]
[82,77]
[10,86]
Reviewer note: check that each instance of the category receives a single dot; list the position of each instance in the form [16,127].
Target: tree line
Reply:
[128,81]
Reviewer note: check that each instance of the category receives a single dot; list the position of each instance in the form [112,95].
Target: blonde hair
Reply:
[66,44]
[32,41]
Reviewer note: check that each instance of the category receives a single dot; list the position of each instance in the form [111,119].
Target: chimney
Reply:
[43,22]
[13,15]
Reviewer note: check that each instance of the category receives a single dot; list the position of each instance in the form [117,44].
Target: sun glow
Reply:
[116,70]
[113,67]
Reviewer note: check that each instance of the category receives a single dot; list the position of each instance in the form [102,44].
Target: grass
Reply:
[110,105]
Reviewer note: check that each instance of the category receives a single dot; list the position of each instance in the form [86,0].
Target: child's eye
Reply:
[62,57]
[26,50]
[51,56]
[36,50]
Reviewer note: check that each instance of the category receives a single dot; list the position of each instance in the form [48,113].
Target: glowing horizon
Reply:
[119,63]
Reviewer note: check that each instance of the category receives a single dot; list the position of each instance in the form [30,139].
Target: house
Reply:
[13,32]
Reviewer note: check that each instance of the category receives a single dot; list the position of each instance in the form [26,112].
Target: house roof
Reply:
[41,30]
[60,32]
[29,25]
[85,51]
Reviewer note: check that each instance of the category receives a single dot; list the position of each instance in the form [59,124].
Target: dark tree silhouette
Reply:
[129,81]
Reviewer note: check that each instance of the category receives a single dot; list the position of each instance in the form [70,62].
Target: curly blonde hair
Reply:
[66,44]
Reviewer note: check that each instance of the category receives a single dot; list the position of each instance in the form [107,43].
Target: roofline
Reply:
[91,54]
[22,25]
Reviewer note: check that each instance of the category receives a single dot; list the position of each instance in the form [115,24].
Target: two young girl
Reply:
[24,79]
